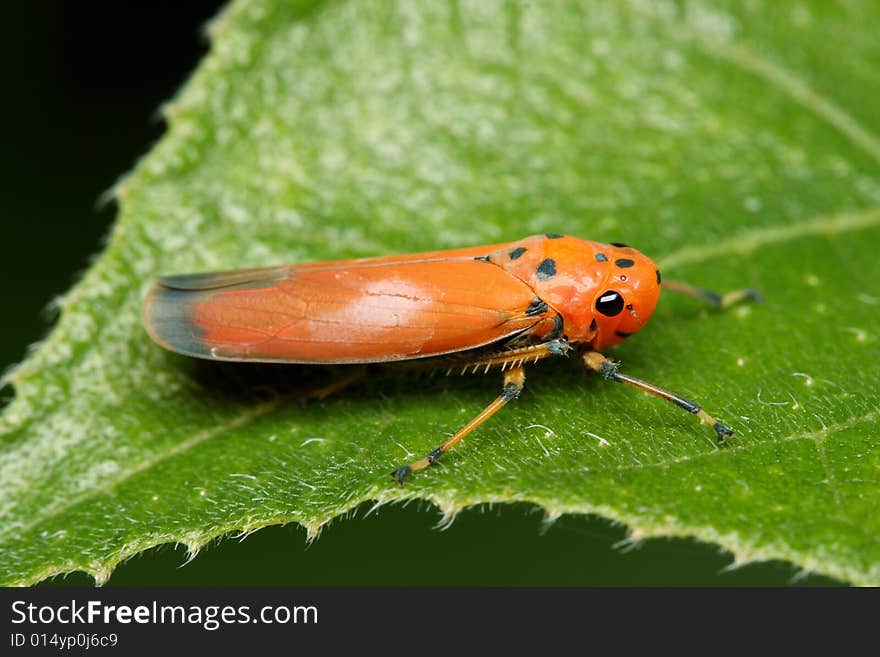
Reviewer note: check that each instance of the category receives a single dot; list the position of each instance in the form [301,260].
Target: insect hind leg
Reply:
[322,392]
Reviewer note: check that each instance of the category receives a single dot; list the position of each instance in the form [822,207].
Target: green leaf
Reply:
[731,141]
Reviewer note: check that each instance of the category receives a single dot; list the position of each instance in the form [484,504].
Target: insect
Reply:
[500,306]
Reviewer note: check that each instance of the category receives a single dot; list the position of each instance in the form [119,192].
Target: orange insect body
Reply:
[532,291]
[485,306]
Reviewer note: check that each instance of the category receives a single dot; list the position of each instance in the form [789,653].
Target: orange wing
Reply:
[356,311]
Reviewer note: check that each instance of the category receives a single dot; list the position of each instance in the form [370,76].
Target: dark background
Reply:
[84,81]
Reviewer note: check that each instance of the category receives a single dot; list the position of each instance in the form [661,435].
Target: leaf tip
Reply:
[551,515]
[313,530]
[193,542]
[116,192]
[449,511]
[102,574]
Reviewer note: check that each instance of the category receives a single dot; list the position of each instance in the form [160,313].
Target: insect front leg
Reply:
[514,380]
[609,369]
[718,300]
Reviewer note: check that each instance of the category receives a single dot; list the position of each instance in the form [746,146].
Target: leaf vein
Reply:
[776,76]
[807,435]
[751,240]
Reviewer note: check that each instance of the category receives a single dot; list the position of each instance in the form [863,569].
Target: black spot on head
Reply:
[517,252]
[601,257]
[553,236]
[620,244]
[658,277]
[622,334]
[546,270]
[624,263]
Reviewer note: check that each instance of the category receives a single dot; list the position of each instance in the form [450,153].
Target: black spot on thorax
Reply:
[536,307]
[546,270]
[624,263]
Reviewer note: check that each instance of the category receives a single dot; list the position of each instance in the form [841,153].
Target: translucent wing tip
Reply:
[168,320]
[170,305]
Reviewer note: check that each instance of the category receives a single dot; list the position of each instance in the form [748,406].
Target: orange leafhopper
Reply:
[498,306]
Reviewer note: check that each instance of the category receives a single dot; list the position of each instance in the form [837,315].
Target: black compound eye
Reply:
[610,303]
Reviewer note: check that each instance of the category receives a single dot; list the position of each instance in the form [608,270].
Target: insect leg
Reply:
[514,379]
[721,301]
[609,369]
[335,386]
